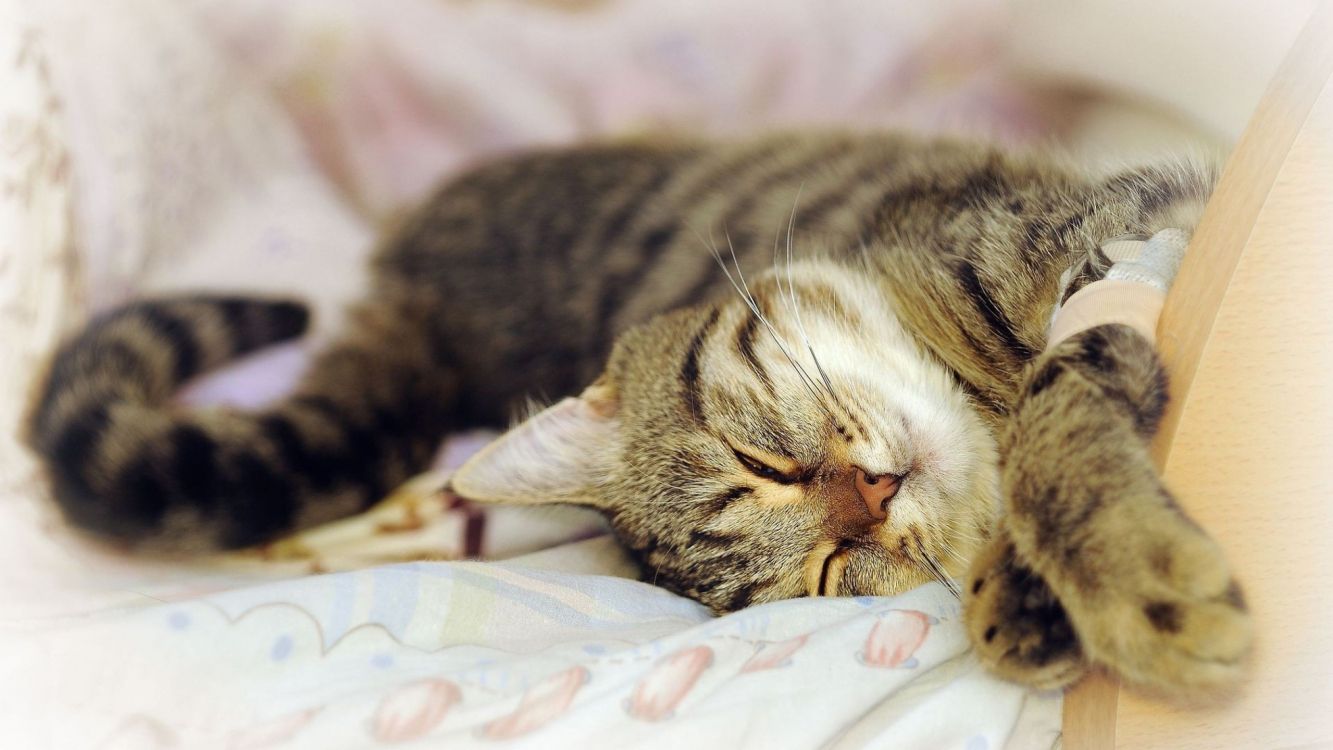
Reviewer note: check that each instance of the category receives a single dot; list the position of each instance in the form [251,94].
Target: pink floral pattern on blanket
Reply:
[540,705]
[895,638]
[658,694]
[774,655]
[412,711]
[466,655]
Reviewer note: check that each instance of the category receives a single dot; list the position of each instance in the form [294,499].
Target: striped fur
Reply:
[731,411]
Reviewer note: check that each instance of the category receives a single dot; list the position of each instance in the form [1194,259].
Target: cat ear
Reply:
[555,456]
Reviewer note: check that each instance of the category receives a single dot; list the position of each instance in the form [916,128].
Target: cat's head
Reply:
[799,445]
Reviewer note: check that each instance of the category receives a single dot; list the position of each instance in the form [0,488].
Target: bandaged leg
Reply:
[1133,291]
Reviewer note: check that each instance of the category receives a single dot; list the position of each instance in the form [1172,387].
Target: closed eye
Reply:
[763,470]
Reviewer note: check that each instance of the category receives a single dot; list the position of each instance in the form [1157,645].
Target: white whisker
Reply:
[931,566]
[940,576]
[795,305]
[750,302]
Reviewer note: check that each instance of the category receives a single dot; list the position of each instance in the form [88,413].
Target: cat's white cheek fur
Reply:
[920,422]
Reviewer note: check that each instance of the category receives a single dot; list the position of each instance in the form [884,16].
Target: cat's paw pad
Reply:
[1173,622]
[1019,629]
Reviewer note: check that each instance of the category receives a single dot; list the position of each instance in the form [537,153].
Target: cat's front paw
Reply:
[1019,629]
[1163,611]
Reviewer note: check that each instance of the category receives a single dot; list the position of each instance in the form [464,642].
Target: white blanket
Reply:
[468,654]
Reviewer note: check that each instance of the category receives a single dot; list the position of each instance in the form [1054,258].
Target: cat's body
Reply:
[837,426]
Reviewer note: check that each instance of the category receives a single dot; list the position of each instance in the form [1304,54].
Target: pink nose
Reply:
[877,491]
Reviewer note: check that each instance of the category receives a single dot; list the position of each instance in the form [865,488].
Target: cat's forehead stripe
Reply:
[745,347]
[689,368]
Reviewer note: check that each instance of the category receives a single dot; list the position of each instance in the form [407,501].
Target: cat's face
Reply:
[826,455]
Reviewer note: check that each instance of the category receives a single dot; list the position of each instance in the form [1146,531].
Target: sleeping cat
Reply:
[857,401]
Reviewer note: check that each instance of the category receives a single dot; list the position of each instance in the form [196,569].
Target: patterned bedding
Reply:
[479,654]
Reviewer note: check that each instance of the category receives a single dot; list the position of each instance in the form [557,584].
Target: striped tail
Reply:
[127,465]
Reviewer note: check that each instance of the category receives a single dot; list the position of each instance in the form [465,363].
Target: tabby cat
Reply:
[858,401]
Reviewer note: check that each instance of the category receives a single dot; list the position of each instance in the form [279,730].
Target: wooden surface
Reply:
[1248,442]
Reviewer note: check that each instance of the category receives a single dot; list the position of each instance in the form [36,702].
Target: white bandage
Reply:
[1157,262]
[1133,291]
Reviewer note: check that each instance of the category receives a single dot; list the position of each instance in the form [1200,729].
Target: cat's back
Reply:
[539,260]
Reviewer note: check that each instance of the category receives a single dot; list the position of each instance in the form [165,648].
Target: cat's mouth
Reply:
[825,567]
